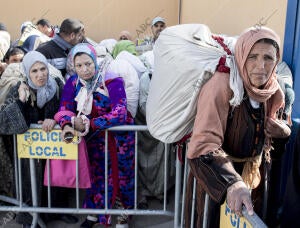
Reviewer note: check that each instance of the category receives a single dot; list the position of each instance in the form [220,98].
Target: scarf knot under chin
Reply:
[45,93]
[84,101]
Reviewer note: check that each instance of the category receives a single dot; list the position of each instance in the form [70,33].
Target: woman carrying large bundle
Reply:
[230,145]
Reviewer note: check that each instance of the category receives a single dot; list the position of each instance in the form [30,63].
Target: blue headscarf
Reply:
[46,92]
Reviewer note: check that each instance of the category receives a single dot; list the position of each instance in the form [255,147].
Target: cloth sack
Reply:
[63,172]
[185,58]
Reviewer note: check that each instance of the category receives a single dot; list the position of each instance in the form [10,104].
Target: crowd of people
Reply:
[57,75]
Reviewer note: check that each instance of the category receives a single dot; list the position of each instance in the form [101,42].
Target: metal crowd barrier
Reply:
[250,221]
[35,209]
[179,199]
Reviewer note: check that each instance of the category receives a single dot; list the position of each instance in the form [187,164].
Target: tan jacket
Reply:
[211,119]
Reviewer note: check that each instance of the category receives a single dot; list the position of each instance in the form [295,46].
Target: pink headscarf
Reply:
[271,95]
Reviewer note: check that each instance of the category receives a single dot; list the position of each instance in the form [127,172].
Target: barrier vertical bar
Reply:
[165,175]
[177,190]
[185,174]
[49,183]
[106,168]
[193,203]
[135,168]
[33,191]
[265,199]
[77,181]
[16,166]
[205,216]
[20,183]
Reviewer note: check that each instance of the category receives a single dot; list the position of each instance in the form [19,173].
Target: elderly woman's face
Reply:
[38,74]
[84,66]
[260,63]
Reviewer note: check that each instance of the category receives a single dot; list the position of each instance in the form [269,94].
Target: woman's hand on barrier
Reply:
[238,195]
[66,132]
[78,124]
[47,124]
[276,128]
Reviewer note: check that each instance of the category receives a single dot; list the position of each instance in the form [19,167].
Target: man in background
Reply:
[157,26]
[56,50]
[44,26]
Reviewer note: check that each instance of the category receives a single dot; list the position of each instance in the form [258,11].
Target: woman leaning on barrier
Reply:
[232,147]
[35,100]
[92,102]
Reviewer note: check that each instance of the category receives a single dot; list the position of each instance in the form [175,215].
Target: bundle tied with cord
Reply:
[185,58]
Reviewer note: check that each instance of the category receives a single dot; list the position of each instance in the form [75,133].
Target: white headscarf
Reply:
[4,43]
[44,93]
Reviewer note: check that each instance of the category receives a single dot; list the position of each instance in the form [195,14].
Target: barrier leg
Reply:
[16,167]
[177,190]
[205,216]
[185,175]
[265,200]
[35,216]
[193,203]
[165,175]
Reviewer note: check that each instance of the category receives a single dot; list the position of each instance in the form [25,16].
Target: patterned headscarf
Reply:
[90,51]
[46,92]
[85,96]
[124,45]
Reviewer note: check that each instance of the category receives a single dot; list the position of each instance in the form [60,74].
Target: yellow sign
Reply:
[36,143]
[229,219]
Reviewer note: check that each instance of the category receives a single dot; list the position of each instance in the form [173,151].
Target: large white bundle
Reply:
[130,77]
[185,57]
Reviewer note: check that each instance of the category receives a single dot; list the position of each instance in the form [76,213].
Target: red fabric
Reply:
[221,66]
[220,40]
[114,165]
[180,145]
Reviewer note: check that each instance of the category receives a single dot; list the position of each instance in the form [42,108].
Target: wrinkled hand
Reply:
[23,92]
[65,130]
[238,195]
[47,124]
[276,128]
[78,124]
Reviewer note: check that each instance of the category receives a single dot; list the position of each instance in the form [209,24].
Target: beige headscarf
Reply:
[271,95]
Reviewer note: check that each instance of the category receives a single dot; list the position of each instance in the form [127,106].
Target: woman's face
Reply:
[17,58]
[39,74]
[84,66]
[260,63]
